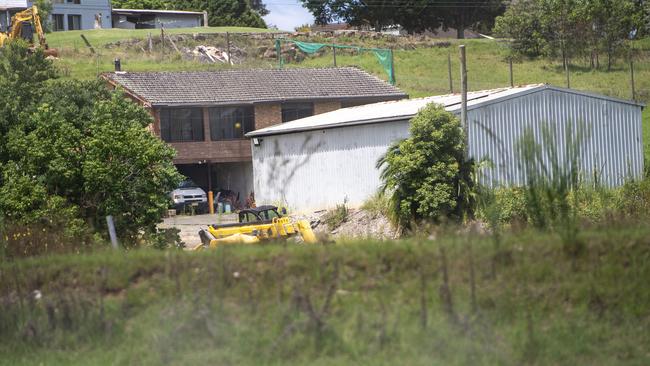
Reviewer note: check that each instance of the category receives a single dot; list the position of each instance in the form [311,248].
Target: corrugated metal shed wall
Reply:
[318,169]
[612,148]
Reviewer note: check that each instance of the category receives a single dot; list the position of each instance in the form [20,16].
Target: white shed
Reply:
[320,161]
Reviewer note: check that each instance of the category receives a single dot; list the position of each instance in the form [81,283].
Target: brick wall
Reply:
[267,115]
[323,107]
[214,151]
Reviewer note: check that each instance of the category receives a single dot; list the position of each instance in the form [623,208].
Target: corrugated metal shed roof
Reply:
[251,86]
[407,109]
[153,11]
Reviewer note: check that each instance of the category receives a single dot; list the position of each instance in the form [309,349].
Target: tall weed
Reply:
[552,173]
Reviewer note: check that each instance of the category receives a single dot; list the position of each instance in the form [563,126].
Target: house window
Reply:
[291,111]
[181,124]
[57,22]
[227,123]
[74,22]
[74,1]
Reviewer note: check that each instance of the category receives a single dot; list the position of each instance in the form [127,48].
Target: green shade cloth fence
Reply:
[384,55]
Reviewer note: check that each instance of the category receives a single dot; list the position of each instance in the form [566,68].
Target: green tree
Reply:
[570,28]
[44,10]
[413,15]
[23,80]
[521,22]
[76,152]
[612,22]
[645,14]
[426,175]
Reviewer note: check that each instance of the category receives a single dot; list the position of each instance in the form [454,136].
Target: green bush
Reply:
[72,153]
[426,175]
[505,206]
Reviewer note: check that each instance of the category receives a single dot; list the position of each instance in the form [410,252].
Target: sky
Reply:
[287,14]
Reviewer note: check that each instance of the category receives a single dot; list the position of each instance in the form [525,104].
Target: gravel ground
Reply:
[359,224]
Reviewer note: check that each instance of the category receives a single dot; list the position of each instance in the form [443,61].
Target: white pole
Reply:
[111,231]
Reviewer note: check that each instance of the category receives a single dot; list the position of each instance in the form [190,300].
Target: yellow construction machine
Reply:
[23,25]
[256,225]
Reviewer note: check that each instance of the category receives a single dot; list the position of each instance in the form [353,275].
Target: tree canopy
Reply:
[73,152]
[570,28]
[412,15]
[220,12]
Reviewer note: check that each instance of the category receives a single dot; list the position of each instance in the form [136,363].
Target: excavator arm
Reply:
[29,15]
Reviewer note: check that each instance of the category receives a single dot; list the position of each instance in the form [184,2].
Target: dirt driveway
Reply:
[189,226]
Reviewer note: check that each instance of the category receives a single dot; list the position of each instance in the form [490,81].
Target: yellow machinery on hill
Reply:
[256,225]
[23,25]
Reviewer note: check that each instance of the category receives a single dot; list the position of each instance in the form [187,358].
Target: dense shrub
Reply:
[592,205]
[426,175]
[73,152]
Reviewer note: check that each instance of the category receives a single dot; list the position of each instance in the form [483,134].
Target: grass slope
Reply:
[100,37]
[380,303]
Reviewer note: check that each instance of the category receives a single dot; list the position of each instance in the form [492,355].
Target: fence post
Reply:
[451,81]
[162,38]
[334,54]
[512,80]
[632,79]
[92,50]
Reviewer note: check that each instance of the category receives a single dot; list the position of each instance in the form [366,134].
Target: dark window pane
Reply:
[227,123]
[74,22]
[292,111]
[57,22]
[181,124]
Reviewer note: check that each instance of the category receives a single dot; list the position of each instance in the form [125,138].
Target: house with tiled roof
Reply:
[205,115]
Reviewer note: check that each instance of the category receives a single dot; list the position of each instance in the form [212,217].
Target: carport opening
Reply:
[230,183]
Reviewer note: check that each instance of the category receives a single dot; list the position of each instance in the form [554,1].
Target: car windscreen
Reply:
[186,184]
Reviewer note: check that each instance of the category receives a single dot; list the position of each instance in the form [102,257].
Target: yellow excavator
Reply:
[257,225]
[23,25]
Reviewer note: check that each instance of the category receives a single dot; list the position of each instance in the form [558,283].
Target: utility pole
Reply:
[463,90]
[451,81]
[228,48]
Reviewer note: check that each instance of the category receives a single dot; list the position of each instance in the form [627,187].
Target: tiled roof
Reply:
[252,85]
